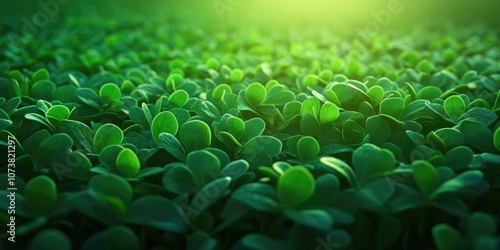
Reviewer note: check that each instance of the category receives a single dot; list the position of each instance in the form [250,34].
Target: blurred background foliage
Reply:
[346,14]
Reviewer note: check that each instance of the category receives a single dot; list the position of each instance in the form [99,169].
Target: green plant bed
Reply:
[161,137]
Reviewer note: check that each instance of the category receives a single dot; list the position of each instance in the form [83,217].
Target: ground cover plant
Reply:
[168,137]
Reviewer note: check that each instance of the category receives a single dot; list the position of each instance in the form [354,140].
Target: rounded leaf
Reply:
[370,160]
[204,166]
[329,112]
[50,239]
[111,185]
[58,112]
[447,237]
[496,139]
[255,94]
[426,176]
[307,148]
[114,238]
[310,80]
[376,93]
[52,147]
[454,107]
[235,126]
[164,122]
[109,92]
[295,186]
[393,107]
[41,194]
[195,135]
[128,163]
[459,158]
[220,91]
[179,98]
[106,135]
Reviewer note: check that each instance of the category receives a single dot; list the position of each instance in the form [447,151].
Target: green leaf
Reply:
[107,135]
[43,90]
[128,163]
[295,186]
[255,94]
[114,238]
[468,179]
[459,157]
[262,242]
[354,67]
[89,97]
[173,81]
[112,186]
[430,93]
[58,112]
[313,218]
[32,143]
[281,166]
[5,121]
[378,129]
[352,132]
[496,139]
[40,119]
[478,135]
[386,224]
[307,148]
[342,168]
[311,106]
[179,179]
[451,137]
[179,98]
[195,135]
[310,80]
[329,112]
[235,169]
[53,146]
[147,113]
[481,224]
[446,237]
[81,166]
[40,75]
[452,205]
[200,240]
[157,212]
[259,196]
[426,177]
[40,194]
[376,93]
[235,126]
[109,92]
[454,106]
[370,161]
[164,122]
[204,165]
[478,114]
[210,194]
[172,145]
[207,110]
[50,239]
[253,128]
[393,107]
[263,144]
[220,91]
[109,155]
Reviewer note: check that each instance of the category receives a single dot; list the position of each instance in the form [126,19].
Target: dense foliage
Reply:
[133,135]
